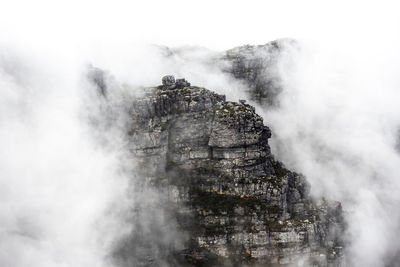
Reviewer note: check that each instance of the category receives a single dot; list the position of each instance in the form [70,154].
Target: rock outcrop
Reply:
[258,67]
[233,201]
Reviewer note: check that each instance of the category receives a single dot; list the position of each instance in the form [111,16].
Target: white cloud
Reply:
[338,121]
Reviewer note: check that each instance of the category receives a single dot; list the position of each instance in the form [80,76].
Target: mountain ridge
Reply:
[222,188]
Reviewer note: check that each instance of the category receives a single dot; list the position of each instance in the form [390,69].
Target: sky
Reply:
[213,24]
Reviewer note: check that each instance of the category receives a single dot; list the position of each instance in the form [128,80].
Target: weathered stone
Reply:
[213,157]
[168,82]
[258,67]
[181,83]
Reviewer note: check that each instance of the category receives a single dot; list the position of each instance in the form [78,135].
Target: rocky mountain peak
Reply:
[235,203]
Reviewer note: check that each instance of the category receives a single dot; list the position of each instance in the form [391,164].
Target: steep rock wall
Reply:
[236,203]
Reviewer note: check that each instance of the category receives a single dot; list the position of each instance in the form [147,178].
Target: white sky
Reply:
[217,24]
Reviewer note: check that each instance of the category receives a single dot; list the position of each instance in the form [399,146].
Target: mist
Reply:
[56,179]
[338,124]
[68,182]
[72,192]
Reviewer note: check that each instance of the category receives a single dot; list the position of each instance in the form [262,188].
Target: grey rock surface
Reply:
[258,67]
[235,203]
[168,82]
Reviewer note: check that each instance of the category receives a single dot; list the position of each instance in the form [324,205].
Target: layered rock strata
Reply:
[235,203]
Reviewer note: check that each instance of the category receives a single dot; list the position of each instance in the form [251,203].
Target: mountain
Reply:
[208,190]
[258,68]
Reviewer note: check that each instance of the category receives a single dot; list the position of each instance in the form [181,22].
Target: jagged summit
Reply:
[222,196]
[212,157]
[256,66]
[169,83]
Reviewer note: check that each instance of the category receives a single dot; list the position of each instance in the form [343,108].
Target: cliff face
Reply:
[256,66]
[235,203]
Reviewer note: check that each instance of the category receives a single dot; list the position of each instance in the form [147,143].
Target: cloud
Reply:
[338,124]
[338,120]
[56,181]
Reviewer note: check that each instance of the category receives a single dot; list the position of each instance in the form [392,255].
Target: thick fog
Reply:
[338,124]
[56,181]
[66,175]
